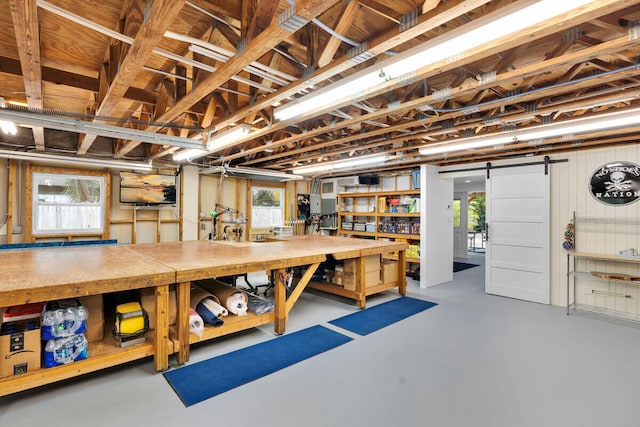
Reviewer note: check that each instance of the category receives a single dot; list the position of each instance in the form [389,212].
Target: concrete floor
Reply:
[474,360]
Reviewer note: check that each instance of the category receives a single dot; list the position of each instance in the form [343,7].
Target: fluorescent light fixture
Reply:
[215,143]
[79,126]
[250,173]
[80,161]
[341,164]
[228,137]
[189,154]
[463,39]
[607,121]
[8,127]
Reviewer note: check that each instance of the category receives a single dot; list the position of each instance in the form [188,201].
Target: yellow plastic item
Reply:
[130,319]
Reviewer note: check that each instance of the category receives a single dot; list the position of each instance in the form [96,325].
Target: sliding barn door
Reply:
[518,216]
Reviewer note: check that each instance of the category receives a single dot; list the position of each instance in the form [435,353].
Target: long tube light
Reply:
[251,173]
[215,143]
[606,121]
[341,164]
[80,161]
[79,126]
[463,39]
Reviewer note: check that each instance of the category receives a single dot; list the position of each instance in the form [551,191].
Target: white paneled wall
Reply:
[569,193]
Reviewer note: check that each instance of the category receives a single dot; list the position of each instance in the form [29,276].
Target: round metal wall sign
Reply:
[616,183]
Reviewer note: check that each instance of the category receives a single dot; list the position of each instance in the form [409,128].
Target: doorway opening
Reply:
[469,216]
[476,227]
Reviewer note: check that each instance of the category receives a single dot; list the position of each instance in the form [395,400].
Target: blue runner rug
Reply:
[202,380]
[371,319]
[459,266]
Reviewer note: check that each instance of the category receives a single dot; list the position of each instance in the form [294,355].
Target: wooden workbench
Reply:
[342,248]
[66,272]
[204,259]
[38,275]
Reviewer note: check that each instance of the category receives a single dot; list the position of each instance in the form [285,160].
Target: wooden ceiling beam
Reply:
[59,77]
[377,46]
[260,45]
[25,24]
[471,87]
[381,9]
[161,14]
[494,109]
[256,17]
[228,11]
[429,5]
[347,16]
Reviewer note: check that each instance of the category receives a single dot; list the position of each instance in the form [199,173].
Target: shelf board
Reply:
[400,236]
[608,314]
[400,214]
[604,257]
[345,213]
[358,233]
[381,193]
[605,279]
[102,354]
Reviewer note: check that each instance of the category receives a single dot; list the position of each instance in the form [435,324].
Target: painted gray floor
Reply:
[474,360]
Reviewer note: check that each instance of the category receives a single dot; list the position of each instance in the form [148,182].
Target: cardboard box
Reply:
[20,347]
[338,278]
[389,271]
[371,278]
[371,263]
[95,317]
[349,281]
[148,302]
[371,269]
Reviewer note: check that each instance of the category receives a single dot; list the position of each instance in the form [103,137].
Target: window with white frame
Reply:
[267,206]
[66,203]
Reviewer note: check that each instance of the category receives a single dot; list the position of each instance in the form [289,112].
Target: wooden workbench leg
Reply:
[402,275]
[280,302]
[183,292]
[161,353]
[360,285]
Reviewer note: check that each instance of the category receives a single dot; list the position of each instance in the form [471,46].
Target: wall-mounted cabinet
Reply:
[383,215]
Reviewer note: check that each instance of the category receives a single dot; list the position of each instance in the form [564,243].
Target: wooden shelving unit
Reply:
[393,221]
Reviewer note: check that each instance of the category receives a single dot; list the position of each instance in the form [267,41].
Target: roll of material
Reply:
[237,304]
[206,314]
[235,300]
[196,324]
[213,303]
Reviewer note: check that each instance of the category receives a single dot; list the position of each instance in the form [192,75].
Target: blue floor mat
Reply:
[202,380]
[372,319]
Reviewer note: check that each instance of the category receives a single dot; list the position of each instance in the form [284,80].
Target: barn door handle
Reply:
[487,232]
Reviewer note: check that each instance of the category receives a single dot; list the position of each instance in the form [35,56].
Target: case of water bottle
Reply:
[65,350]
[63,319]
[63,325]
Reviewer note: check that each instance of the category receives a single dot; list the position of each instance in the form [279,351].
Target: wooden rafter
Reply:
[261,44]
[161,15]
[25,22]
[346,19]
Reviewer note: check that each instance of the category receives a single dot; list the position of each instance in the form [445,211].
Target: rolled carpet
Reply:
[206,314]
